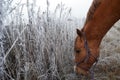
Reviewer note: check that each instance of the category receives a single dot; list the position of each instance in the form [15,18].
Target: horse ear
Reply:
[79,32]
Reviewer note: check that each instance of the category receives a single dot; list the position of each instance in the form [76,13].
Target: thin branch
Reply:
[4,60]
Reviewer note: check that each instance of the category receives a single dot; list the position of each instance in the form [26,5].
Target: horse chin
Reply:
[80,71]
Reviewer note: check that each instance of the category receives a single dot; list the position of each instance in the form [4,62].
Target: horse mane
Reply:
[92,9]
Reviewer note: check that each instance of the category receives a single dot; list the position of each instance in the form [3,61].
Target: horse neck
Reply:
[103,19]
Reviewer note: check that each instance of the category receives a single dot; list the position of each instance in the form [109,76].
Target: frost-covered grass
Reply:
[42,51]
[41,47]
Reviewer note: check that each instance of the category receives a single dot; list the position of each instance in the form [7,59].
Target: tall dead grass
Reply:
[40,48]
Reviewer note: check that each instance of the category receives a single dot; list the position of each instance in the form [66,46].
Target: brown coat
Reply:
[100,18]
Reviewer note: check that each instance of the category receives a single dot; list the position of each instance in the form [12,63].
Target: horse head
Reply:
[85,54]
[95,28]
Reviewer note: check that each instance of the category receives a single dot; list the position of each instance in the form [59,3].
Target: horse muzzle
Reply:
[80,71]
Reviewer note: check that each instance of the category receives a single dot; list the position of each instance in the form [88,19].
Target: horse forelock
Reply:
[92,9]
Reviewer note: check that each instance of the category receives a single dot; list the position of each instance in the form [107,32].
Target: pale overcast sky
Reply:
[79,7]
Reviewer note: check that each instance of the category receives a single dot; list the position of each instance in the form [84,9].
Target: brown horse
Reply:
[100,18]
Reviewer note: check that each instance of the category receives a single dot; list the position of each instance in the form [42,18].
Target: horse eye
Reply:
[77,51]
